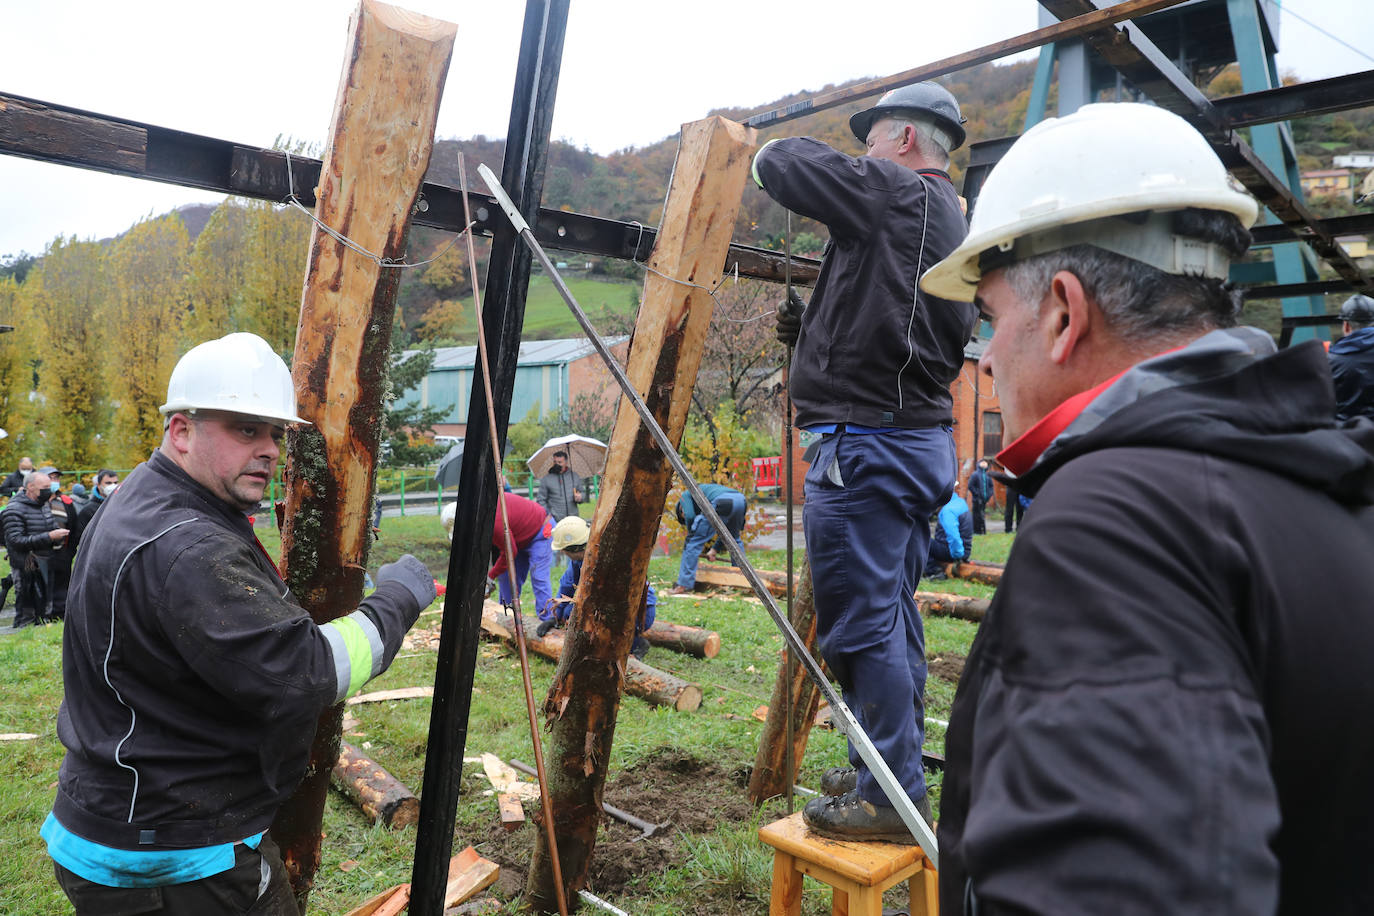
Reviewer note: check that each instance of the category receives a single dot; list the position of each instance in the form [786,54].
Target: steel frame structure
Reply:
[53,133]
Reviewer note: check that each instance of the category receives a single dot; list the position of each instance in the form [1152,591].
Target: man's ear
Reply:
[908,140]
[178,433]
[1068,316]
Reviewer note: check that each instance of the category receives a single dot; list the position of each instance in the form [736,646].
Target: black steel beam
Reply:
[1301,100]
[1292,322]
[53,133]
[503,314]
[1283,290]
[1137,59]
[1336,226]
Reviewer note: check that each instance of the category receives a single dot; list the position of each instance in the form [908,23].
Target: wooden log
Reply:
[374,906]
[644,681]
[381,796]
[770,776]
[722,576]
[379,148]
[665,354]
[680,638]
[943,604]
[987,573]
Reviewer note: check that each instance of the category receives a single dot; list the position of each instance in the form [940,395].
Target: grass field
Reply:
[547,315]
[720,867]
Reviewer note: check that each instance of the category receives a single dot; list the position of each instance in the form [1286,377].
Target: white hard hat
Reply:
[238,373]
[449,516]
[572,531]
[1101,161]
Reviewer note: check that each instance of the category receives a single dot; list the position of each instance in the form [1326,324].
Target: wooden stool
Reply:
[858,872]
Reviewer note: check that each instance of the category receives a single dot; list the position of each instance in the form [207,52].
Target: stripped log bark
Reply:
[670,333]
[769,778]
[644,681]
[379,149]
[730,577]
[381,796]
[943,604]
[680,638]
[987,573]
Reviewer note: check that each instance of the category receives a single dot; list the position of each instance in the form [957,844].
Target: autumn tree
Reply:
[278,240]
[218,274]
[67,293]
[16,376]
[147,281]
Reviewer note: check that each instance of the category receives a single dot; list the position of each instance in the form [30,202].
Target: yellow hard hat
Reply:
[572,531]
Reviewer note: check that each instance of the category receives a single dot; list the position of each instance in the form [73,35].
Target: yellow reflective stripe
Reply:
[754,169]
[358,650]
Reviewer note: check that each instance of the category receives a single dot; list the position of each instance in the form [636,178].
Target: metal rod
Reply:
[789,761]
[1072,28]
[841,713]
[545,804]
[598,902]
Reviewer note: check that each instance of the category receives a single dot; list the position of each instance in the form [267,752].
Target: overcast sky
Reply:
[633,70]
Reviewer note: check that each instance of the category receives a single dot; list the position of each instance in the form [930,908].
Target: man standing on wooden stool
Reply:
[193,678]
[871,373]
[1167,707]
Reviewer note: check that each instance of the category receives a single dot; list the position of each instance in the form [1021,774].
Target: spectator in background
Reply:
[570,537]
[980,493]
[15,481]
[64,511]
[105,482]
[31,536]
[1015,509]
[729,505]
[80,496]
[531,530]
[953,537]
[1352,360]
[561,489]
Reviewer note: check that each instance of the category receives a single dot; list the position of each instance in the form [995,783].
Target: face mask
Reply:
[107,488]
[26,474]
[54,486]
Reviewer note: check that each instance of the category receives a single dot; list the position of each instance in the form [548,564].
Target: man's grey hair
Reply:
[932,142]
[1141,302]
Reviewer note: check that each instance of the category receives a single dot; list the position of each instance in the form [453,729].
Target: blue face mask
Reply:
[54,486]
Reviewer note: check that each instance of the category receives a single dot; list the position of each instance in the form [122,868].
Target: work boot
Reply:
[680,590]
[849,817]
[839,780]
[640,648]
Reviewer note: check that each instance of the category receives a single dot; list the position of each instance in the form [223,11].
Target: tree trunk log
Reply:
[987,573]
[679,638]
[381,796]
[644,681]
[379,149]
[670,333]
[730,577]
[769,778]
[942,604]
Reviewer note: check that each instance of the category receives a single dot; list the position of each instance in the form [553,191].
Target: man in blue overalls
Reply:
[730,505]
[874,361]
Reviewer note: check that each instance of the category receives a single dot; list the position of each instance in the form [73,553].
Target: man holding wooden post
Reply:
[871,373]
[193,677]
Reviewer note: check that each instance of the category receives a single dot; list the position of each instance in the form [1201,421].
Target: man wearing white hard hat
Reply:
[193,677]
[1167,706]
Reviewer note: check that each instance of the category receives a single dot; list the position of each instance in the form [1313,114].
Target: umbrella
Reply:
[586,456]
[449,466]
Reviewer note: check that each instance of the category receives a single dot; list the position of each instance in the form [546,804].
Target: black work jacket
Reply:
[193,679]
[1352,372]
[26,525]
[874,350]
[1167,708]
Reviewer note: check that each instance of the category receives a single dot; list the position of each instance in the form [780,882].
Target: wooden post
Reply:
[379,149]
[681,638]
[670,332]
[769,778]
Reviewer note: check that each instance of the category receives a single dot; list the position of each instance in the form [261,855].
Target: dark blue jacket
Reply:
[874,350]
[567,587]
[1352,372]
[955,529]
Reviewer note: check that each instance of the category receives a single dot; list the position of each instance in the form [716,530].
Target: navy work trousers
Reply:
[869,498]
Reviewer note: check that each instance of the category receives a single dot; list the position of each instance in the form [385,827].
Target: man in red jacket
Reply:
[530,531]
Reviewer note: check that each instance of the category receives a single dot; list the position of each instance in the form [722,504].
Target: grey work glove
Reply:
[789,319]
[414,575]
[544,627]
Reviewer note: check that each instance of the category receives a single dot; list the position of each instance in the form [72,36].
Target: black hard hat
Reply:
[1358,308]
[926,100]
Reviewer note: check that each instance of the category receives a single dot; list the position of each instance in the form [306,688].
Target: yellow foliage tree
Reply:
[278,246]
[147,270]
[16,377]
[66,292]
[218,272]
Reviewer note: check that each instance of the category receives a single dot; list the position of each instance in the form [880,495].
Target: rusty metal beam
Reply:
[1137,59]
[1301,100]
[1073,28]
[47,132]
